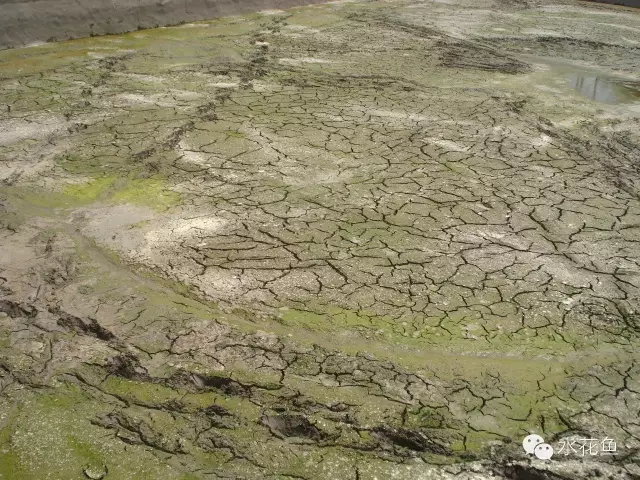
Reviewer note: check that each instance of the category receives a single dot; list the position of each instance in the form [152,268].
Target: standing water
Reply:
[605,90]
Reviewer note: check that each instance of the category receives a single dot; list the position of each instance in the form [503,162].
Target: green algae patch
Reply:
[189,476]
[91,191]
[10,461]
[451,333]
[235,133]
[18,62]
[86,453]
[149,394]
[52,443]
[149,192]
[38,197]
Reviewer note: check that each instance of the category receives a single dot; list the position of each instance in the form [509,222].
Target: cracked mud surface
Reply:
[349,241]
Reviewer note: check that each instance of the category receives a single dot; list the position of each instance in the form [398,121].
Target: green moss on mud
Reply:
[448,334]
[144,393]
[90,191]
[150,192]
[85,452]
[9,461]
[190,476]
[235,133]
[56,439]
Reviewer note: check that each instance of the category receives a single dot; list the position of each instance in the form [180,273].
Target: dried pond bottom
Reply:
[351,241]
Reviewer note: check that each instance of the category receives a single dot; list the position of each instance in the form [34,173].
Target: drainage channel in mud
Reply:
[605,90]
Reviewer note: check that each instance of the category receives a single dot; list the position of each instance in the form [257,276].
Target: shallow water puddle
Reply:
[605,90]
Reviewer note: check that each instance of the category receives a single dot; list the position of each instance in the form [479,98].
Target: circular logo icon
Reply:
[530,443]
[543,451]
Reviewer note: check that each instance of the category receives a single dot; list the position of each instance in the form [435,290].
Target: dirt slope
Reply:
[24,22]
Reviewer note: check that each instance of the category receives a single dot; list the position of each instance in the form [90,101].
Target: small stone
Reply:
[95,473]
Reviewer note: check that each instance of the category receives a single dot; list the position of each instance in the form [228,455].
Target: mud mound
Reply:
[413,440]
[293,426]
[462,54]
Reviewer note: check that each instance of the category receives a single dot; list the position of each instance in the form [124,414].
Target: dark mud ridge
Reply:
[23,22]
